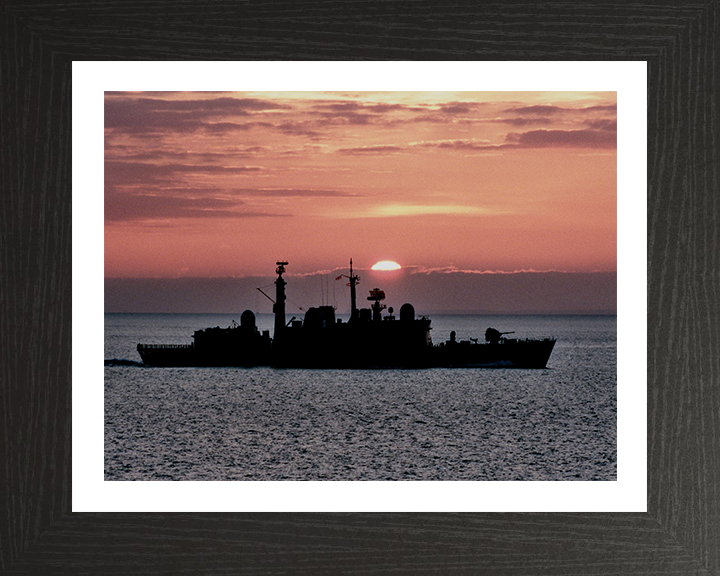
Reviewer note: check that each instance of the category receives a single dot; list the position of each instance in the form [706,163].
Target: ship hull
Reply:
[505,354]
[168,356]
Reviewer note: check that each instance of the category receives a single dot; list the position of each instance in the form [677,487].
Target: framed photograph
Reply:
[501,205]
[654,513]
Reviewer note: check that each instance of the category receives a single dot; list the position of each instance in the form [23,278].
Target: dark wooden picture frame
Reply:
[681,530]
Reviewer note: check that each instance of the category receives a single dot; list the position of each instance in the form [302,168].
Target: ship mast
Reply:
[353,293]
[279,305]
[353,296]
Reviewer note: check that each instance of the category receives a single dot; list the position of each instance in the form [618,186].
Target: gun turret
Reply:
[493,336]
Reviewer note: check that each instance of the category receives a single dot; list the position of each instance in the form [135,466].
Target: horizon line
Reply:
[327,272]
[417,313]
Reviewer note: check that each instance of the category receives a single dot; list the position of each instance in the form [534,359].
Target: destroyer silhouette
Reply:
[368,339]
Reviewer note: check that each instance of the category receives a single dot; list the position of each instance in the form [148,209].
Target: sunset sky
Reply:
[218,185]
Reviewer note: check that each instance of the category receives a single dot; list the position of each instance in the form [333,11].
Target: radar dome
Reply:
[247,319]
[407,313]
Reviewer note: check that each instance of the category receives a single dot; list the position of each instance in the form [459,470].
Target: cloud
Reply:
[603,124]
[155,93]
[350,118]
[120,172]
[595,117]
[603,137]
[131,154]
[130,206]
[297,129]
[357,113]
[342,107]
[342,113]
[395,210]
[459,144]
[291,192]
[537,110]
[456,270]
[463,144]
[522,121]
[547,110]
[453,108]
[374,149]
[224,127]
[434,117]
[338,106]
[604,108]
[156,202]
[197,108]
[143,115]
[563,139]
[352,106]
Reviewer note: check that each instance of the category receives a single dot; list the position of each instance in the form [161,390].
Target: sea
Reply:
[559,423]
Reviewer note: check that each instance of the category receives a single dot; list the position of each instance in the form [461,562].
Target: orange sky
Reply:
[224,184]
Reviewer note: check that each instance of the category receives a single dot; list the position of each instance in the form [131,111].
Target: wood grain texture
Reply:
[680,534]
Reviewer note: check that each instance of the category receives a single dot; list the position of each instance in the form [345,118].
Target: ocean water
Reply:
[429,424]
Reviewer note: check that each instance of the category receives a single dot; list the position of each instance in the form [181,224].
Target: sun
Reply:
[386,265]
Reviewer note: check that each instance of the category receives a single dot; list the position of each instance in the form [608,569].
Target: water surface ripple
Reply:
[433,424]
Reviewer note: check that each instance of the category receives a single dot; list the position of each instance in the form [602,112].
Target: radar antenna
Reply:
[375,296]
[354,280]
